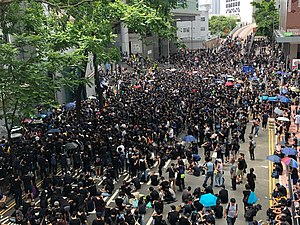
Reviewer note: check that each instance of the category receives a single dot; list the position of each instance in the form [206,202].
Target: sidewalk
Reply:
[283,179]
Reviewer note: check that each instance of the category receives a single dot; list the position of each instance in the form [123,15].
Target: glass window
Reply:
[202,18]
[202,28]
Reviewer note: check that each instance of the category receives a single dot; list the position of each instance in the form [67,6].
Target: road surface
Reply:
[244,31]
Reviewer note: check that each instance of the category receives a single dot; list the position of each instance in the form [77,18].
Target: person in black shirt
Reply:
[218,210]
[74,220]
[158,218]
[154,195]
[154,179]
[173,215]
[98,220]
[196,170]
[172,171]
[223,195]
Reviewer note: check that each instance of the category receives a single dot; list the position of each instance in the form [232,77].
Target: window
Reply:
[202,28]
[202,18]
[186,30]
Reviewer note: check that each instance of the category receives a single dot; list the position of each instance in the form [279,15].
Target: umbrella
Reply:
[295,89]
[173,70]
[37,121]
[41,115]
[252,199]
[264,97]
[54,131]
[189,138]
[208,200]
[282,118]
[219,82]
[229,84]
[274,158]
[284,99]
[240,81]
[290,162]
[289,151]
[194,72]
[27,120]
[211,75]
[70,105]
[71,145]
[137,86]
[92,97]
[15,135]
[272,99]
[278,111]
[230,79]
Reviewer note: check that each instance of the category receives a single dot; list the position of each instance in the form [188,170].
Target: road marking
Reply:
[113,196]
[167,163]
[150,220]
[4,218]
[127,177]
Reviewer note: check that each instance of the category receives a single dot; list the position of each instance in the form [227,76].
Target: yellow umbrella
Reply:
[295,89]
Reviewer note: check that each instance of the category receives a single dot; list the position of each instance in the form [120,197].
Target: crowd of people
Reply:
[206,96]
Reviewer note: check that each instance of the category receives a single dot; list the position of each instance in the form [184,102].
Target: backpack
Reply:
[249,214]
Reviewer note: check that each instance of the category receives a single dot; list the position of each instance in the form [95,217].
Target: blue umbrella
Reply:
[252,199]
[264,97]
[41,115]
[54,131]
[274,158]
[70,105]
[284,99]
[189,138]
[272,99]
[208,200]
[289,151]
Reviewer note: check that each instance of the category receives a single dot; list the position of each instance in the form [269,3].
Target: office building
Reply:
[288,33]
[242,9]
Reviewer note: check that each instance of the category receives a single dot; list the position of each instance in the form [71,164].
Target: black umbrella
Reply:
[71,145]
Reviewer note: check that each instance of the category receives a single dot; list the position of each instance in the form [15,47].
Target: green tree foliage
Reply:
[24,64]
[60,36]
[221,25]
[266,17]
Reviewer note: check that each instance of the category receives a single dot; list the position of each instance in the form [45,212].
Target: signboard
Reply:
[296,64]
[248,69]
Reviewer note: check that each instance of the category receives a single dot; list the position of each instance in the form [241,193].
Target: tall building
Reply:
[241,9]
[193,33]
[288,33]
[215,7]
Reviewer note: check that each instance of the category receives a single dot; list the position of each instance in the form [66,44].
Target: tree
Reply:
[266,17]
[24,63]
[64,34]
[221,25]
[90,27]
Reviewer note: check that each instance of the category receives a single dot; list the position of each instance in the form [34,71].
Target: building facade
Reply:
[195,32]
[288,33]
[215,7]
[242,9]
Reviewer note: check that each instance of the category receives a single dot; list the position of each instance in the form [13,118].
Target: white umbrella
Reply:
[194,72]
[92,97]
[278,111]
[15,135]
[283,119]
[173,70]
